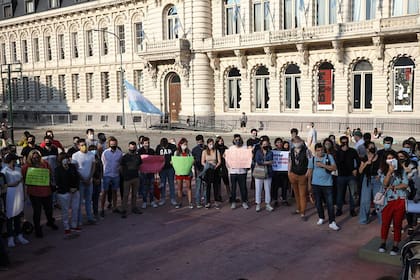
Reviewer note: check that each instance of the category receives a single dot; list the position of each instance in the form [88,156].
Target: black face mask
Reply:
[31,142]
[372,150]
[48,144]
[113,148]
[132,151]
[265,148]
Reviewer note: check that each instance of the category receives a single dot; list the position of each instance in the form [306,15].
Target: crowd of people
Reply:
[78,181]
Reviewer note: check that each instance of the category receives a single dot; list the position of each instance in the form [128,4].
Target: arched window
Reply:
[233,16]
[363,9]
[326,11]
[292,86]
[172,23]
[234,89]
[403,73]
[325,86]
[262,95]
[262,15]
[362,86]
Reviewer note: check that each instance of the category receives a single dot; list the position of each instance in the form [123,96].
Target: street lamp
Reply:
[17,68]
[121,73]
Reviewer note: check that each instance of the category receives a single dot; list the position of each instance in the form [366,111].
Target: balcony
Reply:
[165,50]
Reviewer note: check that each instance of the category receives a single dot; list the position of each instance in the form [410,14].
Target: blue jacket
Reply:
[260,158]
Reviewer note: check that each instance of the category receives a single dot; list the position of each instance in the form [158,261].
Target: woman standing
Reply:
[264,157]
[211,160]
[371,183]
[224,174]
[14,200]
[410,167]
[395,182]
[182,150]
[40,196]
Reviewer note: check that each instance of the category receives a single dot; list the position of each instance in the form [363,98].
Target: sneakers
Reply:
[208,205]
[320,222]
[258,208]
[334,226]
[382,248]
[173,202]
[233,205]
[269,208]
[217,206]
[199,206]
[178,205]
[245,205]
[394,251]
[11,242]
[76,229]
[144,205]
[191,206]
[154,204]
[162,202]
[22,240]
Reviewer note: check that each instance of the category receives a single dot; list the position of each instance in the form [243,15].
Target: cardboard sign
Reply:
[152,164]
[280,160]
[182,165]
[238,157]
[37,177]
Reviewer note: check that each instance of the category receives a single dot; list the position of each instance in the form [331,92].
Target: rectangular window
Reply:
[7,11]
[261,93]
[35,49]
[404,7]
[89,86]
[233,18]
[368,91]
[104,40]
[61,46]
[62,87]
[24,51]
[357,91]
[75,82]
[4,90]
[48,50]
[25,87]
[3,53]
[119,86]
[326,12]
[54,3]
[15,92]
[121,35]
[105,85]
[89,43]
[49,88]
[234,88]
[75,50]
[13,52]
[403,88]
[292,92]
[363,9]
[30,6]
[37,88]
[139,36]
[138,80]
[262,15]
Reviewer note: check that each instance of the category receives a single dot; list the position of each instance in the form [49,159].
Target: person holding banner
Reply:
[181,177]
[147,179]
[280,167]
[37,180]
[211,161]
[264,157]
[167,174]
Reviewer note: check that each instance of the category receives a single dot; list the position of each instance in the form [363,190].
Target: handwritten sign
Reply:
[280,160]
[238,157]
[152,164]
[182,165]
[37,177]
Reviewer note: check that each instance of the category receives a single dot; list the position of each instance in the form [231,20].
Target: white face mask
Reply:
[183,147]
[298,145]
[210,146]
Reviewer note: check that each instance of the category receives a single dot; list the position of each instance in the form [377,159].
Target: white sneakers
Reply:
[144,205]
[11,242]
[258,208]
[173,202]
[162,202]
[19,238]
[269,208]
[320,222]
[154,204]
[22,240]
[245,205]
[233,205]
[334,226]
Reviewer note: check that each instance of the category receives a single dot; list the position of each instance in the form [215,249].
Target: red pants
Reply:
[393,211]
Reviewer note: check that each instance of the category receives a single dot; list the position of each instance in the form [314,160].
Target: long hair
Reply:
[384,166]
[30,155]
[182,141]
[208,150]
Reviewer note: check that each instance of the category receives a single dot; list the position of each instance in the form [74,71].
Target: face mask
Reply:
[113,147]
[265,148]
[48,144]
[392,162]
[407,150]
[93,152]
[237,142]
[83,149]
[32,142]
[183,147]
[328,145]
[298,145]
[372,150]
[210,146]
[387,146]
[132,151]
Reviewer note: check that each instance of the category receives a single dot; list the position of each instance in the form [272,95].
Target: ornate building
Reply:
[335,62]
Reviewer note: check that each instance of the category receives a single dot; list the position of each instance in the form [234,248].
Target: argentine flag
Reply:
[138,102]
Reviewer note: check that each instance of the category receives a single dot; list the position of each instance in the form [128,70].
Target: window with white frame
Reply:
[62,87]
[104,41]
[61,51]
[139,36]
[233,88]
[262,15]
[292,87]
[326,12]
[48,50]
[30,6]
[363,9]
[3,56]
[24,47]
[139,80]
[262,95]
[173,23]
[121,35]
[54,3]
[89,43]
[362,86]
[403,76]
[35,49]
[25,87]
[105,91]
[75,83]
[74,47]
[13,51]
[233,17]
[404,7]
[293,13]
[37,88]
[49,88]
[89,86]
[325,86]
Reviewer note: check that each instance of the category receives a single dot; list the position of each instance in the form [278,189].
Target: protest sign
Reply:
[238,158]
[280,160]
[182,165]
[37,177]
[152,164]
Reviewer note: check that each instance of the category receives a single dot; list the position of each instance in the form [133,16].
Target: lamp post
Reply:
[121,73]
[9,71]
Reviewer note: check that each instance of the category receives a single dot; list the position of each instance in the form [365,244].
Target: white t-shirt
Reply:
[15,196]
[84,163]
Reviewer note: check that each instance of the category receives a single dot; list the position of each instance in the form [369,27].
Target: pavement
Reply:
[168,243]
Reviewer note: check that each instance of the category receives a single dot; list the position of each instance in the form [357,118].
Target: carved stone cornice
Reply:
[304,53]
[378,42]
[270,56]
[339,49]
[242,58]
[214,60]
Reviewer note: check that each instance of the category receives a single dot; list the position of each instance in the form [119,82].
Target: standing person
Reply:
[90,137]
[293,133]
[264,157]
[130,164]
[101,143]
[55,142]
[68,180]
[312,137]
[147,179]
[111,159]
[49,154]
[330,149]
[320,183]
[387,142]
[253,142]
[14,200]
[40,196]
[359,145]
[75,147]
[243,120]
[96,180]
[211,160]
[348,162]
[224,174]
[371,183]
[395,182]
[85,163]
[298,166]
[183,151]
[197,152]
[29,147]
[167,174]
[279,179]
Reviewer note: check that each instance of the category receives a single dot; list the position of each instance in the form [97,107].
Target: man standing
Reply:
[50,153]
[360,143]
[111,160]
[312,137]
[130,163]
[147,178]
[31,146]
[90,140]
[85,163]
[243,120]
[56,143]
[197,151]
[252,143]
[167,150]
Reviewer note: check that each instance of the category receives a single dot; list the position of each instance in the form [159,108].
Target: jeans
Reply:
[280,180]
[240,180]
[199,192]
[37,204]
[342,183]
[369,189]
[146,186]
[259,184]
[86,195]
[167,175]
[67,201]
[324,193]
[96,191]
[13,225]
[132,185]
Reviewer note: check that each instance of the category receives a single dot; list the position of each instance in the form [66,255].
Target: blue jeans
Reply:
[69,201]
[324,193]
[95,197]
[342,183]
[114,181]
[369,189]
[146,186]
[86,195]
[199,192]
[240,180]
[167,175]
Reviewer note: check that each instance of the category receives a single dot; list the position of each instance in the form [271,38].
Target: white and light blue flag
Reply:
[138,102]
